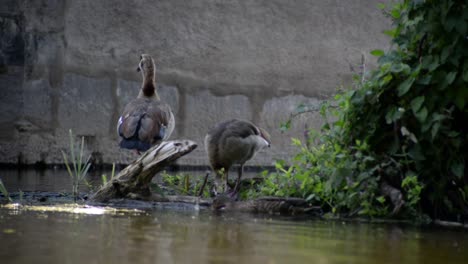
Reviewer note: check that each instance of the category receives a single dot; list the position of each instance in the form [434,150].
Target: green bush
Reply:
[405,125]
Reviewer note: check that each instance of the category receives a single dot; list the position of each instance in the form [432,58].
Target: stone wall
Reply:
[72,65]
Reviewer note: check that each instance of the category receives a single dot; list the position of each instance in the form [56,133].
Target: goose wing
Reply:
[145,120]
[230,141]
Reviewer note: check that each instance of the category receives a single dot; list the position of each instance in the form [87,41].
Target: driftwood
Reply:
[134,181]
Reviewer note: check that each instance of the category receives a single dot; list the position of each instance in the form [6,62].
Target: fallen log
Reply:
[134,181]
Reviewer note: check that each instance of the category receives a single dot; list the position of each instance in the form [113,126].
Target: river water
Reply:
[82,234]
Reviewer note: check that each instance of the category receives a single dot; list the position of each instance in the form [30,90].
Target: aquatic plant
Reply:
[77,169]
[401,129]
[184,184]
[5,192]
[104,178]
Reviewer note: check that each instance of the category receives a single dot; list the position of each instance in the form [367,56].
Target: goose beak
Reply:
[138,69]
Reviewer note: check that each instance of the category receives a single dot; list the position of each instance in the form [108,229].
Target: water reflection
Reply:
[58,180]
[83,234]
[171,236]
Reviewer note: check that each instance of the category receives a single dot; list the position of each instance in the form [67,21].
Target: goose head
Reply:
[264,134]
[146,65]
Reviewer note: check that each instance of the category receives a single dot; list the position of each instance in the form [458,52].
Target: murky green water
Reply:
[70,234]
[175,236]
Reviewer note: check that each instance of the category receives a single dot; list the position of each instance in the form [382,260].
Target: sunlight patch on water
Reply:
[90,210]
[71,208]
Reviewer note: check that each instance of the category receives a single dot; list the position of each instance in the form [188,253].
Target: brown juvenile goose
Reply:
[146,120]
[234,141]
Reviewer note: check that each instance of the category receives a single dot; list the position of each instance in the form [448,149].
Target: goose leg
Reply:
[218,183]
[226,186]
[239,176]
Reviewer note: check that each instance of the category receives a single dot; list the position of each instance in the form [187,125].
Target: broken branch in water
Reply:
[134,181]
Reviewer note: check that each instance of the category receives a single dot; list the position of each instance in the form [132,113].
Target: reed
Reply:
[4,191]
[75,166]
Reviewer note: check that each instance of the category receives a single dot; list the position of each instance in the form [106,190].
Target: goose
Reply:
[233,142]
[146,120]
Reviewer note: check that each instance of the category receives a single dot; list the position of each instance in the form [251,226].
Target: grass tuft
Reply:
[76,169]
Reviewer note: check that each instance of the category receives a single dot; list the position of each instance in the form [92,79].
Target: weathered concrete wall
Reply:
[71,65]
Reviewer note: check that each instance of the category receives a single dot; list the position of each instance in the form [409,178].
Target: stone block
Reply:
[11,94]
[86,106]
[201,111]
[277,111]
[37,103]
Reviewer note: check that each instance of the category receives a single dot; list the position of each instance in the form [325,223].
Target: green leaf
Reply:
[279,164]
[404,87]
[285,126]
[395,13]
[450,23]
[406,133]
[460,102]
[381,199]
[461,27]
[445,53]
[394,114]
[421,115]
[453,134]
[381,6]
[430,62]
[450,77]
[425,80]
[391,33]
[416,103]
[377,52]
[385,80]
[385,68]
[416,152]
[399,67]
[458,169]
[461,97]
[438,117]
[310,197]
[296,142]
[435,129]
[433,66]
[465,71]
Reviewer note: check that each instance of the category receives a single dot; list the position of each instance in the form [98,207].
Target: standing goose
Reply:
[234,141]
[146,120]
